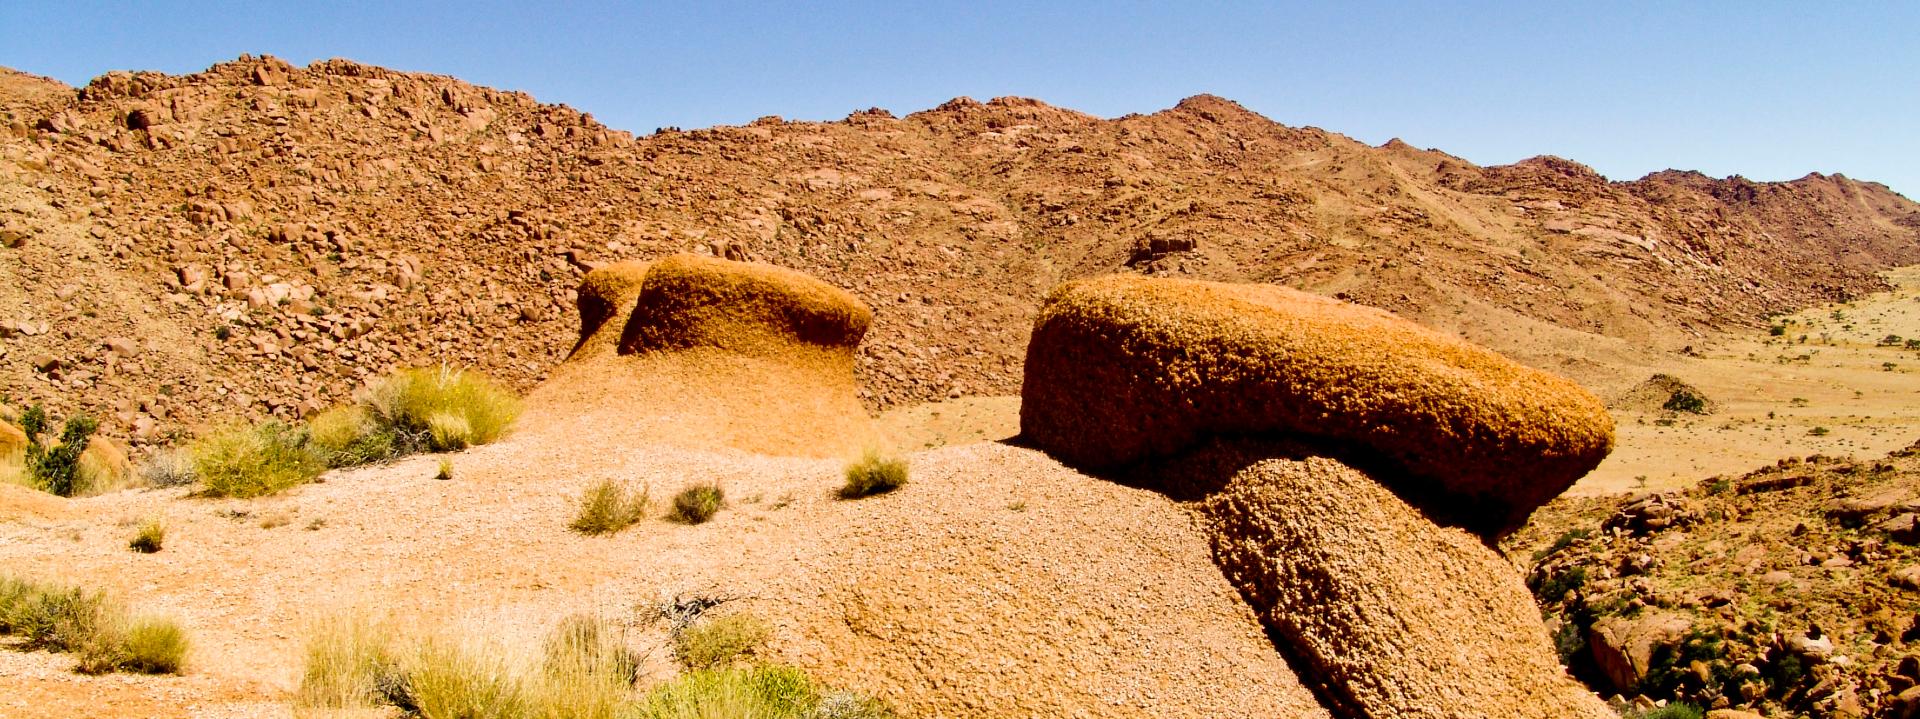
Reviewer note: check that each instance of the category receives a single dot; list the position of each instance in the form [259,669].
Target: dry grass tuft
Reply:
[610,506]
[169,467]
[92,626]
[761,692]
[151,536]
[263,459]
[721,641]
[697,504]
[874,473]
[454,408]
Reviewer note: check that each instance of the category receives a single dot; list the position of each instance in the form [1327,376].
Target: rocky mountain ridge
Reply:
[258,238]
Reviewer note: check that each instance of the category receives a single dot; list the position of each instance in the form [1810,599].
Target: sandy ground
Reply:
[997,583]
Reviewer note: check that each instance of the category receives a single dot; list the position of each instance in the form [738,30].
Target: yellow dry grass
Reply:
[1125,368]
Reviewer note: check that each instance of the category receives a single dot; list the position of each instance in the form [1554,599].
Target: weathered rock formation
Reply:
[1124,368]
[706,352]
[1240,396]
[1396,616]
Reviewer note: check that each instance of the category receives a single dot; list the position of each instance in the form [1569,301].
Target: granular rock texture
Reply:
[691,301]
[705,352]
[1125,368]
[11,439]
[1393,615]
[607,298]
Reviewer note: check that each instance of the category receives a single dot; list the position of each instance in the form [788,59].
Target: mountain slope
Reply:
[257,238]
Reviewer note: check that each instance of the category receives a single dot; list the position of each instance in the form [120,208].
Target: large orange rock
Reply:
[689,301]
[1126,368]
[1399,617]
[606,299]
[704,352]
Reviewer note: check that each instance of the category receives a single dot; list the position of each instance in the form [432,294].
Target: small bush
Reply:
[720,642]
[153,646]
[609,506]
[1685,400]
[88,624]
[769,692]
[445,472]
[1819,431]
[255,461]
[56,469]
[454,408]
[1673,710]
[348,436]
[151,536]
[1566,539]
[168,468]
[445,679]
[697,503]
[348,661]
[874,473]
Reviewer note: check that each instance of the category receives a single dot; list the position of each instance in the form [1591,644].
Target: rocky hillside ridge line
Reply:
[258,238]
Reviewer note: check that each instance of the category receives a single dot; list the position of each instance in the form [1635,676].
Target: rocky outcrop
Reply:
[1396,616]
[706,352]
[1122,369]
[1259,402]
[688,301]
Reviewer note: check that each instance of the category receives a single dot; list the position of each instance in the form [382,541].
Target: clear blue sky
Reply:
[1770,90]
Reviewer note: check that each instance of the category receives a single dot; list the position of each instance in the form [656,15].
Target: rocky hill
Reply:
[258,238]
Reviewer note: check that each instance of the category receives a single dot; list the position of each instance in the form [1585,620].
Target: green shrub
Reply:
[453,408]
[1566,539]
[56,469]
[1673,710]
[1685,400]
[150,537]
[697,503]
[610,506]
[873,473]
[1819,431]
[762,692]
[720,642]
[254,461]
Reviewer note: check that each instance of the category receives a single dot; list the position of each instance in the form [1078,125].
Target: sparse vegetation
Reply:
[60,468]
[91,626]
[454,408]
[168,467]
[697,504]
[608,507]
[253,461]
[720,642]
[151,536]
[1819,431]
[585,669]
[874,473]
[348,436]
[445,472]
[1685,399]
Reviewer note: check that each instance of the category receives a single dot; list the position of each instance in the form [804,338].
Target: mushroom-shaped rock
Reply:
[690,301]
[606,299]
[704,352]
[1398,616]
[1125,368]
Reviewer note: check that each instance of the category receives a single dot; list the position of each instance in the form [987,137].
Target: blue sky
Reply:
[1769,90]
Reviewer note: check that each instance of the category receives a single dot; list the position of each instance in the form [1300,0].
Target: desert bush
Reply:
[168,468]
[348,660]
[453,408]
[90,625]
[1819,431]
[873,473]
[150,537]
[1675,710]
[243,461]
[610,506]
[445,677]
[720,642]
[697,503]
[56,468]
[1686,400]
[767,691]
[847,705]
[445,471]
[349,435]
